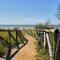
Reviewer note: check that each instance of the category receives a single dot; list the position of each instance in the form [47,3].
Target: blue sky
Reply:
[28,11]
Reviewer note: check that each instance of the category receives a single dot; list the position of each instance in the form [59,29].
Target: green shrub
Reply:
[41,55]
[42,26]
[2,50]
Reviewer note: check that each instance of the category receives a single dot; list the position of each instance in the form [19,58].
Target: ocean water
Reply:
[16,26]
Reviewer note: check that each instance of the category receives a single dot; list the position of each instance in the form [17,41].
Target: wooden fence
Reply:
[55,52]
[19,34]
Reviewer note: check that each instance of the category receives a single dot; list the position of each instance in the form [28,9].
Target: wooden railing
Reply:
[55,52]
[46,41]
[19,34]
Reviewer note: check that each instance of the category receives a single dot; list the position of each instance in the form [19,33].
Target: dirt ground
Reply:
[28,52]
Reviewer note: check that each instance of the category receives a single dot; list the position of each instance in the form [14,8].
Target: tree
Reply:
[46,25]
[42,26]
[39,26]
[58,12]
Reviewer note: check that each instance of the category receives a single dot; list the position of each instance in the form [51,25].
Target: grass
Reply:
[51,35]
[3,50]
[6,38]
[41,54]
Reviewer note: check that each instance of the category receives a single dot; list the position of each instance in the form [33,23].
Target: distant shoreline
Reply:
[16,26]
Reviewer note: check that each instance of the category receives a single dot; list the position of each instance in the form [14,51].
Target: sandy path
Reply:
[28,52]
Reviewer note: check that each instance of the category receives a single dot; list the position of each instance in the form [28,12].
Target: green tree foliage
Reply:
[42,26]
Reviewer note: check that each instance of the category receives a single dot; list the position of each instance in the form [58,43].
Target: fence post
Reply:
[17,39]
[57,45]
[45,44]
[49,46]
[9,47]
[44,40]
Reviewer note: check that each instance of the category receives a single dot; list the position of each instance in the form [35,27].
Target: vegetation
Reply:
[51,35]
[41,55]
[3,50]
[30,32]
[42,26]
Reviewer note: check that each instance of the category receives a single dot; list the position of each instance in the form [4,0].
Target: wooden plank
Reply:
[57,45]
[49,47]
[44,40]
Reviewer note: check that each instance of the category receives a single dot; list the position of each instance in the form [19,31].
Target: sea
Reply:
[17,26]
